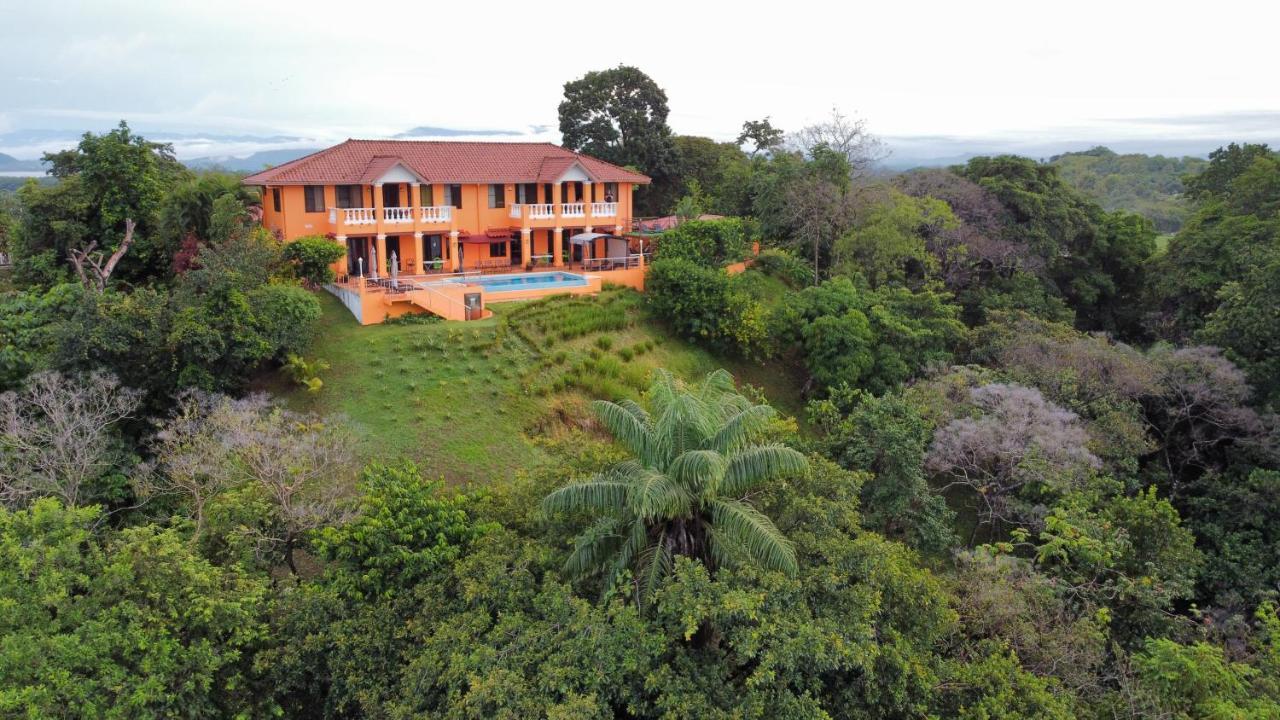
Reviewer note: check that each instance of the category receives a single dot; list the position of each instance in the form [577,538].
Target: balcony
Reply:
[604,209]
[353,216]
[533,211]
[573,210]
[437,214]
[397,216]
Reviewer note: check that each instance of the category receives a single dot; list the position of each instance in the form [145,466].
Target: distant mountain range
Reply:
[249,163]
[10,164]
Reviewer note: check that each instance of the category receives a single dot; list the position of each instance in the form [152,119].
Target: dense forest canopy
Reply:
[1006,459]
[1149,185]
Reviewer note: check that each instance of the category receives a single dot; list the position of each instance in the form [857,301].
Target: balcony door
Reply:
[391,195]
[517,250]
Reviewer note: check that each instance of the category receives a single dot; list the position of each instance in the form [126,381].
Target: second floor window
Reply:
[453,196]
[314,197]
[527,193]
[349,196]
[275,198]
[497,195]
[611,192]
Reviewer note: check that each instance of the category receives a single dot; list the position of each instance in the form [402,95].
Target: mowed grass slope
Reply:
[469,401]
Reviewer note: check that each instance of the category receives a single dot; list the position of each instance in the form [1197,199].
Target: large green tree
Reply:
[620,115]
[695,460]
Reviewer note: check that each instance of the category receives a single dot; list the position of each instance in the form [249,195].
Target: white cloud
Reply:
[333,68]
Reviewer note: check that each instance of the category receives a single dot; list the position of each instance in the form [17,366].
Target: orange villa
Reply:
[446,227]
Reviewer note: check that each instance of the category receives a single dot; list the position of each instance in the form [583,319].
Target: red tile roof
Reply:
[440,161]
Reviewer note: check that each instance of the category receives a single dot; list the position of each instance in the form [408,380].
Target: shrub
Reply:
[710,243]
[786,267]
[604,342]
[312,257]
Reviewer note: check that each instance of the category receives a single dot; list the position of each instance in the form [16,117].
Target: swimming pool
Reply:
[525,281]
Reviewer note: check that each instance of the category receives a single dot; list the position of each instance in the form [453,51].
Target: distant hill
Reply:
[1150,185]
[252,163]
[9,163]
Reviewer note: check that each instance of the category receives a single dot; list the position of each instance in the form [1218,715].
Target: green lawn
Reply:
[468,401]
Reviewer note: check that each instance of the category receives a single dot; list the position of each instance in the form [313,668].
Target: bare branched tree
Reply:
[191,450]
[94,267]
[1018,441]
[845,135]
[302,465]
[56,435]
[820,211]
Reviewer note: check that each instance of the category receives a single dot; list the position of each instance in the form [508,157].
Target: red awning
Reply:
[490,235]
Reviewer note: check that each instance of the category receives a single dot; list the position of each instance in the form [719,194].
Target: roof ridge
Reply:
[459,142]
[298,160]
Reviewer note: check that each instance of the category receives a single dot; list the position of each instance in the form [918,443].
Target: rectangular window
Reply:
[314,195]
[498,249]
[426,196]
[349,196]
[611,192]
[497,195]
[275,198]
[455,196]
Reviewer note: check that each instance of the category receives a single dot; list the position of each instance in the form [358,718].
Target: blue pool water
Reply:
[525,281]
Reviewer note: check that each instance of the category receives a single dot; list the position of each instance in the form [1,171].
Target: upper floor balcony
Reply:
[433,217]
[547,214]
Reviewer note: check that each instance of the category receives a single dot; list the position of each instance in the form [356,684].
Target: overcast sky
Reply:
[1020,71]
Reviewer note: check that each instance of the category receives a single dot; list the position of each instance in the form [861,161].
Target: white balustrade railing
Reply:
[359,216]
[515,211]
[573,210]
[437,213]
[541,211]
[397,215]
[604,209]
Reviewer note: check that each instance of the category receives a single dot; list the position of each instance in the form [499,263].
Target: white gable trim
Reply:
[575,173]
[398,173]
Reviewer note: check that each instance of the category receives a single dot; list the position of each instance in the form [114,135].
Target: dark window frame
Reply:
[455,196]
[497,195]
[501,247]
[275,199]
[313,198]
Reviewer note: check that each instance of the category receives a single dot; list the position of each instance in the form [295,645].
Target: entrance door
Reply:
[517,252]
[393,251]
[357,256]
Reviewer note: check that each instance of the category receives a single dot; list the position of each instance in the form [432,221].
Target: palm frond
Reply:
[634,408]
[598,494]
[625,426]
[652,567]
[658,495]
[753,465]
[593,548]
[754,533]
[685,424]
[662,390]
[739,428]
[697,471]
[636,541]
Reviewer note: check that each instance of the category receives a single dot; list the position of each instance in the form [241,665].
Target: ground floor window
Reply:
[498,249]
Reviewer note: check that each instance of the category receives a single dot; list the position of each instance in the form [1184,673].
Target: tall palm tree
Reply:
[684,491]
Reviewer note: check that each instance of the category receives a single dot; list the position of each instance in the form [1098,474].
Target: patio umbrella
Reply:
[373,263]
[395,270]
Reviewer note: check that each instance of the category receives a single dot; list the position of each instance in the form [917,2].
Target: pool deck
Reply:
[375,301]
